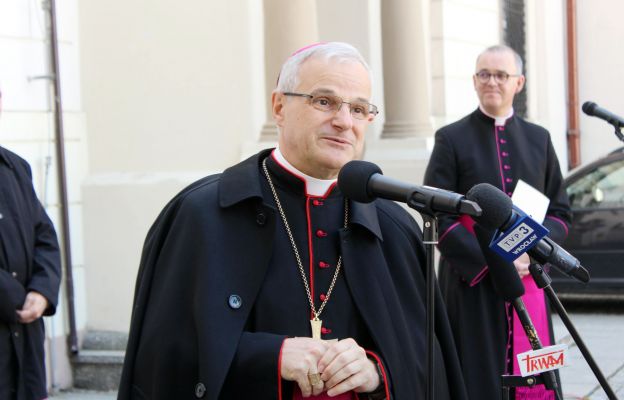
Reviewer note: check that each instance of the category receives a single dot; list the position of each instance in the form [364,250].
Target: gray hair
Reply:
[501,48]
[288,79]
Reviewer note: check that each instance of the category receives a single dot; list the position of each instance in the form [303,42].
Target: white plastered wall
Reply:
[546,71]
[170,90]
[600,72]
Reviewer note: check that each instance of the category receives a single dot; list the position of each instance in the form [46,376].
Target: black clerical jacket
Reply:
[472,151]
[203,265]
[29,261]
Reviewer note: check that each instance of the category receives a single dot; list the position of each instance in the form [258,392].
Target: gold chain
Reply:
[294,246]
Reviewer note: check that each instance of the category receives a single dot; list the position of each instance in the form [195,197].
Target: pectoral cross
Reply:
[316,324]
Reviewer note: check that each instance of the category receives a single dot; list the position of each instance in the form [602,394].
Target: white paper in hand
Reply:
[530,200]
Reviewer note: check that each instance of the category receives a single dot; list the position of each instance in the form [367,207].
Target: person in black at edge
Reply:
[495,146]
[264,282]
[30,271]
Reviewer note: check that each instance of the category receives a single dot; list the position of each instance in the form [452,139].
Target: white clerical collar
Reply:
[498,121]
[314,186]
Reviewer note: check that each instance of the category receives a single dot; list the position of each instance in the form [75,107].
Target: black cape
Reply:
[214,240]
[29,261]
[466,153]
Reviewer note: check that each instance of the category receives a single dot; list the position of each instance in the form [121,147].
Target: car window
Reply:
[602,187]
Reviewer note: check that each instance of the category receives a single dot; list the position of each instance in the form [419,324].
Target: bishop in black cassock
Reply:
[238,264]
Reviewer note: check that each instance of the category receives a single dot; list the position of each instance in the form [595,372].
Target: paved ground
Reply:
[603,334]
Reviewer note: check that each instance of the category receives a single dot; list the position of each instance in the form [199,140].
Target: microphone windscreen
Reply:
[495,204]
[353,180]
[506,280]
[589,107]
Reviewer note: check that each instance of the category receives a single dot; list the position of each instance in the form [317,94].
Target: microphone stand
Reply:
[548,378]
[543,281]
[424,204]
[430,236]
[430,239]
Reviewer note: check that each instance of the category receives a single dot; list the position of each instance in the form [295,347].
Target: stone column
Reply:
[288,26]
[406,69]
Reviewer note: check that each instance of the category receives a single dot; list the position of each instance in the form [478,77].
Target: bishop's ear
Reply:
[277,107]
[520,84]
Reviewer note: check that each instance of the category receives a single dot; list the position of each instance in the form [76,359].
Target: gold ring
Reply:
[314,378]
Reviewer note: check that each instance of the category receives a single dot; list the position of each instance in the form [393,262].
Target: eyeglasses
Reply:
[331,103]
[499,76]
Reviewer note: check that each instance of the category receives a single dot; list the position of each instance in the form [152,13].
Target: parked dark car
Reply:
[596,237]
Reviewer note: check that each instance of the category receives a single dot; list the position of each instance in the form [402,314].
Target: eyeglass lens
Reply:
[500,77]
[359,110]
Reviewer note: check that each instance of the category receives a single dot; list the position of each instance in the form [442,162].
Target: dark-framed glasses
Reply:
[331,103]
[499,76]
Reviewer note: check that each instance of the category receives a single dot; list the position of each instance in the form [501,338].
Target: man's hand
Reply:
[33,308]
[300,357]
[522,265]
[345,367]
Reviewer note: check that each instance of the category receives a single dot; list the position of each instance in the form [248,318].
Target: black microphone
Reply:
[592,109]
[363,181]
[505,278]
[499,213]
[509,286]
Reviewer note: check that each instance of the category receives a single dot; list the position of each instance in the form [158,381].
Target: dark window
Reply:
[514,36]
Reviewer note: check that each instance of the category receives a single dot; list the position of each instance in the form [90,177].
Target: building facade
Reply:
[158,94]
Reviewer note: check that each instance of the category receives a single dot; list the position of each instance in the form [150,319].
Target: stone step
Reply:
[80,394]
[98,369]
[98,364]
[105,340]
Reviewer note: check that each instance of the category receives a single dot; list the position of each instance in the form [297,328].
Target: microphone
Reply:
[592,109]
[521,234]
[509,286]
[363,181]
[505,278]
